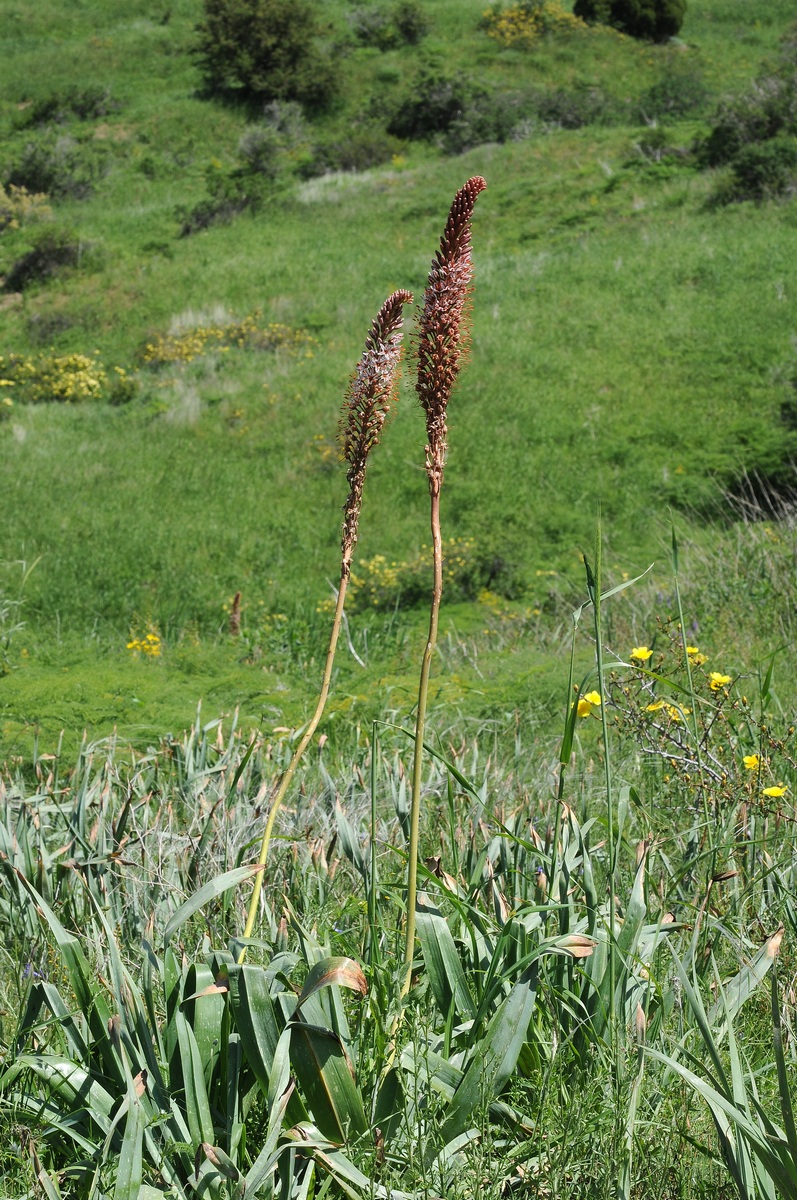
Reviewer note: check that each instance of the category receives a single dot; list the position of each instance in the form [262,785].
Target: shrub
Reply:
[53,249]
[85,104]
[527,23]
[18,205]
[57,165]
[365,147]
[48,378]
[230,194]
[679,91]
[655,20]
[766,110]
[265,49]
[766,170]
[387,28]
[457,111]
[565,109]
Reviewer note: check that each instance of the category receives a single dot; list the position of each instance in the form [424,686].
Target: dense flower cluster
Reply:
[527,23]
[247,333]
[45,378]
[378,583]
[18,205]
[149,644]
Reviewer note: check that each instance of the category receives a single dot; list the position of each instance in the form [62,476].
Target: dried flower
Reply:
[366,407]
[441,333]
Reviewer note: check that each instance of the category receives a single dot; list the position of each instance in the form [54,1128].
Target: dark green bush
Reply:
[84,104]
[655,20]
[767,109]
[679,91]
[53,249]
[766,170]
[229,195]
[387,28]
[364,147]
[266,49]
[57,165]
[563,108]
[456,111]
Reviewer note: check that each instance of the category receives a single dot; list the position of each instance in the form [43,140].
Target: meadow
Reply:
[599,1001]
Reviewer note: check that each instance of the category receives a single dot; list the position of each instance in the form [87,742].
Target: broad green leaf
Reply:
[494,1058]
[197,1106]
[742,986]
[216,887]
[255,1020]
[130,1166]
[322,1067]
[443,966]
[344,972]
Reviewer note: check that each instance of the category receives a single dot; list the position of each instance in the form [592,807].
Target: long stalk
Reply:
[441,344]
[365,410]
[420,722]
[290,770]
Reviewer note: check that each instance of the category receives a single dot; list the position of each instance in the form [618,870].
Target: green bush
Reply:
[766,170]
[655,20]
[82,104]
[364,147]
[53,250]
[456,111]
[266,49]
[767,109]
[405,24]
[58,166]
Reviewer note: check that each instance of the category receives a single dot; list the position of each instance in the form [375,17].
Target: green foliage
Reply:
[58,165]
[70,103]
[755,134]
[54,249]
[405,23]
[654,20]
[267,49]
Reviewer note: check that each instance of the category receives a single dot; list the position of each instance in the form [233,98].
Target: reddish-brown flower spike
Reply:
[442,336]
[367,405]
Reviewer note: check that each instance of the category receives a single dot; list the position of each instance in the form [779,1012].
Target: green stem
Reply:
[596,606]
[285,782]
[420,721]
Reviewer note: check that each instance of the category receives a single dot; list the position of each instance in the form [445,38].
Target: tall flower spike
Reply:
[366,407]
[441,329]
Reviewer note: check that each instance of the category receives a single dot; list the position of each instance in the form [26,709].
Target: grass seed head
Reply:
[442,334]
[367,404]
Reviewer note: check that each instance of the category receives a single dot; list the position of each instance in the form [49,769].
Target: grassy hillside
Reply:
[630,342]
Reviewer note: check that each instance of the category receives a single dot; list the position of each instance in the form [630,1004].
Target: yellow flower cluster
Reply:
[17,205]
[248,333]
[43,378]
[381,584]
[149,645]
[527,23]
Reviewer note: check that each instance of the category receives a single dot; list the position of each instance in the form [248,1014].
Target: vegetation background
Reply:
[187,272]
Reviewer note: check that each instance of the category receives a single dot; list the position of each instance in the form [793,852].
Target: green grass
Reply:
[628,349]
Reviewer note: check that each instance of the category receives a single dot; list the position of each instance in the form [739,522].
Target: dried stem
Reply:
[442,341]
[365,409]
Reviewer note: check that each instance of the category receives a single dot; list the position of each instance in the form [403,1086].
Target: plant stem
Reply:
[297,754]
[420,721]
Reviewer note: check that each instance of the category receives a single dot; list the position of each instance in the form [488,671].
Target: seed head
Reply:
[442,333]
[367,404]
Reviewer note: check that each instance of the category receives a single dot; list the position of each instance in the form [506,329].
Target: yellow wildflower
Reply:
[641,653]
[587,703]
[695,657]
[752,761]
[780,790]
[656,705]
[717,681]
